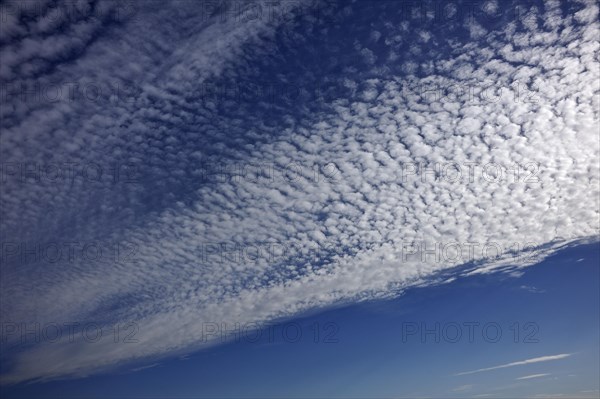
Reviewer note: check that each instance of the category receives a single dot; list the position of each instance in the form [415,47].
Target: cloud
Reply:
[145,367]
[528,377]
[520,363]
[533,290]
[234,178]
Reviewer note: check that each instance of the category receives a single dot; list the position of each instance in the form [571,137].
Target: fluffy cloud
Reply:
[271,165]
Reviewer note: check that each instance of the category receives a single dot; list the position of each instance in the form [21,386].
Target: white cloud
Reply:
[520,363]
[375,220]
[529,377]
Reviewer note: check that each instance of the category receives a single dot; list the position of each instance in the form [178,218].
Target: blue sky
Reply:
[169,168]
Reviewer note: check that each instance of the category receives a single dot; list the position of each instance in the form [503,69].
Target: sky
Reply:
[427,343]
[171,170]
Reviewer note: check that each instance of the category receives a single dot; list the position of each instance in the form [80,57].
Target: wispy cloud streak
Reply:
[520,363]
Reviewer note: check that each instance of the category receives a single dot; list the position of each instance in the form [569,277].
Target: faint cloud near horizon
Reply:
[529,377]
[532,289]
